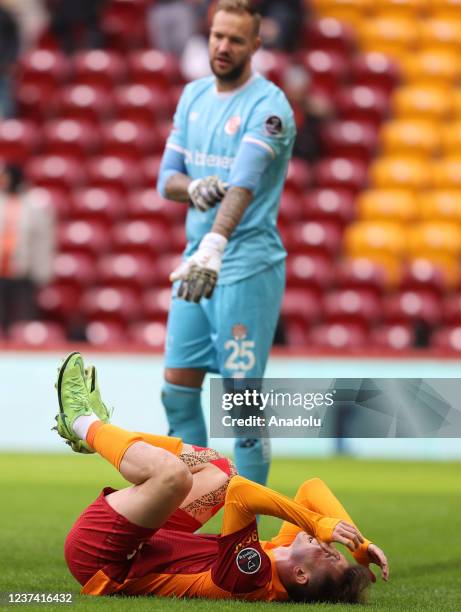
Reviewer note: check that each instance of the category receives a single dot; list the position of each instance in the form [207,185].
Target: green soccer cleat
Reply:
[73,396]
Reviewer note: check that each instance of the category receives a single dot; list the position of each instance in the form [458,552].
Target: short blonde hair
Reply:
[240,7]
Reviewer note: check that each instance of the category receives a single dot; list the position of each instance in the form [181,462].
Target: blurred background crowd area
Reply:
[371,211]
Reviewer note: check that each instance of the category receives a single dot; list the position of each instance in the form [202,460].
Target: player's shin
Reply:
[184,413]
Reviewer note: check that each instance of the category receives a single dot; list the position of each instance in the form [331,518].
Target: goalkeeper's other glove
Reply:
[199,274]
[204,193]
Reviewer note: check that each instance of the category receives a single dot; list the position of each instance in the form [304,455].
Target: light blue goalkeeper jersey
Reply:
[210,130]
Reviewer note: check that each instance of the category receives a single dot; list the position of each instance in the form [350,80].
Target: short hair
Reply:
[350,586]
[240,7]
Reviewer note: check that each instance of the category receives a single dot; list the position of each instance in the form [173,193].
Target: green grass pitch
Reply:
[410,509]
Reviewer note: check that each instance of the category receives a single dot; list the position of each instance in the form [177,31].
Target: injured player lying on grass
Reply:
[141,540]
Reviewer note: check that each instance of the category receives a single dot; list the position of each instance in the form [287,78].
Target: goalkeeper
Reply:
[227,157]
[141,541]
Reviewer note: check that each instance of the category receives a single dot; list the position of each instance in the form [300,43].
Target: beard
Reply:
[233,74]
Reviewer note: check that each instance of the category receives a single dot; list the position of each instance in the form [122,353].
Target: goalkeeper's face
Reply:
[232,43]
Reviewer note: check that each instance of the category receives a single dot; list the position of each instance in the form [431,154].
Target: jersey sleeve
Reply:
[272,129]
[241,565]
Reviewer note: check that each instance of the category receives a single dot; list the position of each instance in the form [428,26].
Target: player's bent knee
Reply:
[176,477]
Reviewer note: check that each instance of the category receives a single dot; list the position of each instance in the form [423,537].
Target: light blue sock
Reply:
[253,458]
[184,413]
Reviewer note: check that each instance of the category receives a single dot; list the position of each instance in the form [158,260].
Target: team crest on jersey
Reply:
[233,125]
[239,331]
[248,560]
[273,125]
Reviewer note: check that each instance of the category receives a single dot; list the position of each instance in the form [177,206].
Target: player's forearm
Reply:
[231,210]
[245,499]
[176,187]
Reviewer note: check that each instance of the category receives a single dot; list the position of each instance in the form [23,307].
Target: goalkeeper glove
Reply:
[205,192]
[199,274]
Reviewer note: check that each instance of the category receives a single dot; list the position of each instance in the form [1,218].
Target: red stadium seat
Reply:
[153,68]
[55,171]
[296,332]
[357,139]
[363,103]
[124,24]
[99,67]
[422,273]
[360,306]
[178,239]
[313,270]
[290,207]
[129,139]
[36,101]
[44,66]
[80,101]
[329,205]
[38,334]
[301,304]
[375,69]
[272,64]
[413,305]
[56,198]
[141,237]
[150,167]
[164,266]
[74,268]
[116,172]
[106,334]
[84,236]
[59,301]
[18,140]
[361,273]
[98,204]
[127,269]
[451,308]
[148,204]
[150,334]
[70,137]
[329,34]
[143,103]
[111,303]
[397,336]
[339,336]
[448,338]
[156,303]
[340,173]
[315,236]
[327,69]
[298,176]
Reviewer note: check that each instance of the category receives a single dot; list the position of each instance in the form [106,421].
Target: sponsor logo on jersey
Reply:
[273,125]
[239,331]
[233,125]
[197,158]
[248,560]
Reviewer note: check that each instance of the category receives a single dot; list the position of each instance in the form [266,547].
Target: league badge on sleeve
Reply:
[248,560]
[273,126]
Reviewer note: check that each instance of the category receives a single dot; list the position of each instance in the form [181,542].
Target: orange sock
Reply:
[111,442]
[172,445]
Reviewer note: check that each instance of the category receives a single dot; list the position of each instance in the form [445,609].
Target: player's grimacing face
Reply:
[305,549]
[231,44]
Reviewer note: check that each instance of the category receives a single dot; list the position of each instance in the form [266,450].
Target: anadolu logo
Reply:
[248,560]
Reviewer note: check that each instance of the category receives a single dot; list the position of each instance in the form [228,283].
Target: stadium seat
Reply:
[404,8]
[129,139]
[110,302]
[88,102]
[54,197]
[350,11]
[348,138]
[178,239]
[70,138]
[440,205]
[298,175]
[84,236]
[36,101]
[375,69]
[360,306]
[451,138]
[164,266]
[362,103]
[127,269]
[422,273]
[98,67]
[148,204]
[432,66]
[295,332]
[339,336]
[443,237]
[399,205]
[302,304]
[74,268]
[444,8]
[424,101]
[327,69]
[392,35]
[411,136]
[447,338]
[55,171]
[442,32]
[394,336]
[124,24]
[340,173]
[413,305]
[329,34]
[361,273]
[291,208]
[315,236]
[151,334]
[116,172]
[401,172]
[140,102]
[59,301]
[451,309]
[150,167]
[44,66]
[328,204]
[156,303]
[141,237]
[272,64]
[106,334]
[153,68]
[39,334]
[446,172]
[19,140]
[99,204]
[365,237]
[312,270]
